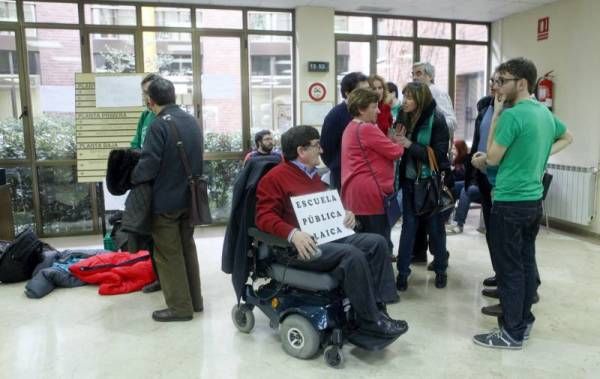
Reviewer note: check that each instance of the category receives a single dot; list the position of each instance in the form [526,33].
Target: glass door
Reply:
[15,149]
[221,115]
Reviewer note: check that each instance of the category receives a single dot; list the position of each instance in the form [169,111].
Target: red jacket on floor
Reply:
[116,272]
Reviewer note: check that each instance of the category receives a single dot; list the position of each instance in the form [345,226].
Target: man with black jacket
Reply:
[160,164]
[483,122]
[334,125]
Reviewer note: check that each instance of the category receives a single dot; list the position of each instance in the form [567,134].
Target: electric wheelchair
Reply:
[308,308]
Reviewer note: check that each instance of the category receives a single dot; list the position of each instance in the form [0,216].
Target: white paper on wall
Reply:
[118,91]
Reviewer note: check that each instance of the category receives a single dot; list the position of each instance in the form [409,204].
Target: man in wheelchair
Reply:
[360,262]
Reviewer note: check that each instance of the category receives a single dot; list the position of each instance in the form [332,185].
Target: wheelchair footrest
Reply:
[369,342]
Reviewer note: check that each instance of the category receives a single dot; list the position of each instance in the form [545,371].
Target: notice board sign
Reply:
[321,214]
[102,129]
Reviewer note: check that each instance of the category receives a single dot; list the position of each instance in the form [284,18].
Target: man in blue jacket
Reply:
[160,164]
[334,125]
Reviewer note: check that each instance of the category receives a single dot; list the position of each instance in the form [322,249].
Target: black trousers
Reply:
[421,243]
[362,264]
[513,229]
[485,189]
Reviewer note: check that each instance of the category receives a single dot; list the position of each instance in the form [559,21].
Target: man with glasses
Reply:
[483,122]
[520,141]
[360,261]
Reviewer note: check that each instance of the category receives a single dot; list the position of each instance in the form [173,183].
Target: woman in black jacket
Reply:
[422,126]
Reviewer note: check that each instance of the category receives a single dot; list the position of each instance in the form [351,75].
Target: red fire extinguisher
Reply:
[543,91]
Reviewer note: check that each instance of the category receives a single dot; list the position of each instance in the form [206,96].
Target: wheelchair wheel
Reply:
[333,356]
[243,318]
[298,337]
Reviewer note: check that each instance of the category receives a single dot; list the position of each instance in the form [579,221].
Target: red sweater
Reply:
[384,118]
[274,211]
[360,193]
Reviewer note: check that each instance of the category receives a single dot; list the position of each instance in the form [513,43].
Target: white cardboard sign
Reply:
[321,215]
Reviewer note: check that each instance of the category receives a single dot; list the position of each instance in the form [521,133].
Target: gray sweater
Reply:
[160,162]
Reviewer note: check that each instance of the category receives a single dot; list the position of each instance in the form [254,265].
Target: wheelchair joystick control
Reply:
[317,254]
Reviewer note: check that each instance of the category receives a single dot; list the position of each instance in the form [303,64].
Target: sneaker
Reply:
[454,229]
[497,339]
[526,332]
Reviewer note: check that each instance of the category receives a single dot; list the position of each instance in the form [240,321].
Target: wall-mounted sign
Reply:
[543,28]
[313,113]
[317,91]
[101,124]
[318,66]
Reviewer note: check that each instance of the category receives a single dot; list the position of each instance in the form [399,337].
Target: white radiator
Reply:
[572,194]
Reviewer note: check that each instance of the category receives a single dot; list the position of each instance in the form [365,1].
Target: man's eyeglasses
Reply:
[501,81]
[314,145]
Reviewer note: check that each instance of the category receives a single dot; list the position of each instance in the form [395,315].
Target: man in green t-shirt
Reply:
[146,117]
[520,141]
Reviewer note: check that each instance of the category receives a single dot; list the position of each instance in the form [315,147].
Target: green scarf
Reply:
[423,138]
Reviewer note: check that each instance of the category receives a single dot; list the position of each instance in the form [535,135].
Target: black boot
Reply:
[441,279]
[401,282]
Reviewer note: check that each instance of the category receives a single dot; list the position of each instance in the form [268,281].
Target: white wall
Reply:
[315,41]
[573,52]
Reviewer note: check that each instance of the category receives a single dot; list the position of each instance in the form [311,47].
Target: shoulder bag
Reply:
[198,184]
[430,193]
[392,204]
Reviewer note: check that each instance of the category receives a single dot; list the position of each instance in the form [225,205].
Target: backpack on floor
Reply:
[19,259]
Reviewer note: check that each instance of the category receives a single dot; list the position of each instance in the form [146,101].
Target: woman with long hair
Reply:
[384,118]
[460,151]
[423,127]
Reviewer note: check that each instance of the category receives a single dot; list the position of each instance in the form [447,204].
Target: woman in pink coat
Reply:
[368,164]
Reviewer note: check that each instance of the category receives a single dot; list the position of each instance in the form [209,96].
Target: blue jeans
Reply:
[410,222]
[458,187]
[464,203]
[513,229]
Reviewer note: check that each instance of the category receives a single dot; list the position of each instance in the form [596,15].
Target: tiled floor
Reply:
[75,333]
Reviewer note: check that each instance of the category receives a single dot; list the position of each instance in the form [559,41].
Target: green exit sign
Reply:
[318,66]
